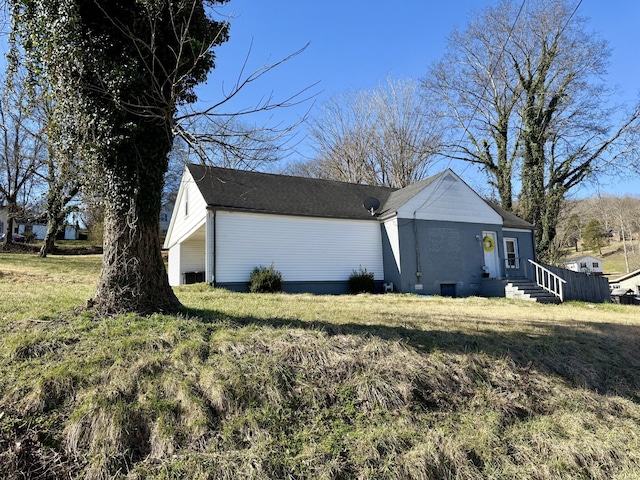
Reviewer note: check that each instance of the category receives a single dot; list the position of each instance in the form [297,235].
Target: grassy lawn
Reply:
[302,386]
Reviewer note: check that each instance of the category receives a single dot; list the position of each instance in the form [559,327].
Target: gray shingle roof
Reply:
[281,194]
[287,195]
[510,220]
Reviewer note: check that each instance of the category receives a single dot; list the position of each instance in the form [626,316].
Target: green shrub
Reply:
[265,280]
[361,281]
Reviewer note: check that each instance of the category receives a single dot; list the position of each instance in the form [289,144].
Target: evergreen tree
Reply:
[593,236]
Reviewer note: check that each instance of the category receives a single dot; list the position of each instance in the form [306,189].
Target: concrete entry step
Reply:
[529,291]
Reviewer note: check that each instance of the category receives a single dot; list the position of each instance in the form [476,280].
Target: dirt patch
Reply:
[19,248]
[78,250]
[22,277]
[34,248]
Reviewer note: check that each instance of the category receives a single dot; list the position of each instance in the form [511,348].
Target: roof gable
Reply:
[189,211]
[445,197]
[627,276]
[580,258]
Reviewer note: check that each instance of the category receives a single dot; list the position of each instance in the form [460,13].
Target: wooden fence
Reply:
[583,287]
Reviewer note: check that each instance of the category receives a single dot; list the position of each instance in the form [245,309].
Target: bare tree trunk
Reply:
[49,238]
[133,276]
[623,234]
[8,238]
[11,215]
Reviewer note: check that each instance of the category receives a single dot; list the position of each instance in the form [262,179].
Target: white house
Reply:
[629,281]
[3,220]
[434,237]
[584,264]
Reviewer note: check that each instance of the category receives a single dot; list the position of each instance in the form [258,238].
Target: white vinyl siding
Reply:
[391,227]
[188,256]
[193,252]
[584,264]
[302,248]
[183,225]
[442,200]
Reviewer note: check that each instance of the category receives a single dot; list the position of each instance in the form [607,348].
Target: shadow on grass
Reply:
[601,357]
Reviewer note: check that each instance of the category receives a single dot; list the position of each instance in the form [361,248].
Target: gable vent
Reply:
[449,178]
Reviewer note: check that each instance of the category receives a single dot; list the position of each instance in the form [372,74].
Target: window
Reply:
[511,253]
[595,265]
[583,264]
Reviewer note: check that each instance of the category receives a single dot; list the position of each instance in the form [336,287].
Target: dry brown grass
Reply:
[302,386]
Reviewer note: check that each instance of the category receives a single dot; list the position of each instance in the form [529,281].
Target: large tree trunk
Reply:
[133,276]
[11,215]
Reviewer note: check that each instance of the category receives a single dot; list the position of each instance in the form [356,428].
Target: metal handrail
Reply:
[548,280]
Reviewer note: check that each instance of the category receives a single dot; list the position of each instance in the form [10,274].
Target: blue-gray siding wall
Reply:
[449,254]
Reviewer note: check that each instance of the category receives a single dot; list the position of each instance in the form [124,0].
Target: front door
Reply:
[491,257]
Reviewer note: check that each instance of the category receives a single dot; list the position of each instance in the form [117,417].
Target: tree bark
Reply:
[133,276]
[49,238]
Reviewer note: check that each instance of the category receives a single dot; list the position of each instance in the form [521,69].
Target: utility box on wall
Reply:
[193,277]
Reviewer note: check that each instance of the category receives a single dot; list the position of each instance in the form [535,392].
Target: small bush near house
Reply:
[265,280]
[361,281]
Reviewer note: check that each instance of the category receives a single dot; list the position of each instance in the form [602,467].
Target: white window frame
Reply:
[514,263]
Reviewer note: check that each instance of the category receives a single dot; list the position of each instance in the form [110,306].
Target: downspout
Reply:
[215,231]
[210,248]
[417,244]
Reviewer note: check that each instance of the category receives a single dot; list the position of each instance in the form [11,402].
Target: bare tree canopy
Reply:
[386,136]
[22,151]
[526,102]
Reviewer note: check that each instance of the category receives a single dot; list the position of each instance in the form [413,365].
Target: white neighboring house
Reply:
[3,220]
[165,218]
[437,236]
[39,230]
[584,264]
[630,281]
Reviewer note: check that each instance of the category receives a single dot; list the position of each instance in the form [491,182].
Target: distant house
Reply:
[584,264]
[37,230]
[434,237]
[630,281]
[3,220]
[165,218]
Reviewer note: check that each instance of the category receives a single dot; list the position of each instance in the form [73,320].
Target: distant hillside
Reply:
[613,258]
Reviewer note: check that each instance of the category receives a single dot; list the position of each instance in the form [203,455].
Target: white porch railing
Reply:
[548,280]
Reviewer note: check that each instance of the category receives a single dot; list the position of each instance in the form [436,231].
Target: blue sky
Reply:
[355,45]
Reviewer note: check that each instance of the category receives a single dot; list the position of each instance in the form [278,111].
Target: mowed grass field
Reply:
[311,387]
